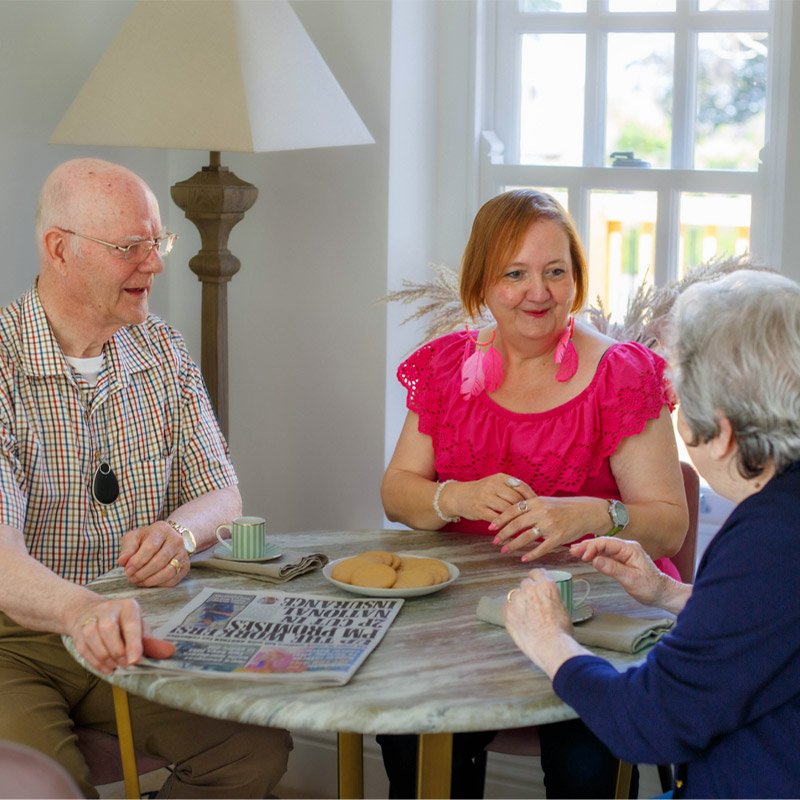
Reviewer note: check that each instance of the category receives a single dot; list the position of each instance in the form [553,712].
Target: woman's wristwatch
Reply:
[189,542]
[619,516]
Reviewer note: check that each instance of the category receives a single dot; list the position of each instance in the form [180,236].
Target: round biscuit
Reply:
[377,557]
[414,578]
[374,576]
[343,571]
[439,568]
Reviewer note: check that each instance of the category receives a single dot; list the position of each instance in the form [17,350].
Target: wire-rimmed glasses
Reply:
[135,252]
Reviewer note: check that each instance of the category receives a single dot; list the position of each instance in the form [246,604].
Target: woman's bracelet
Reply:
[436,508]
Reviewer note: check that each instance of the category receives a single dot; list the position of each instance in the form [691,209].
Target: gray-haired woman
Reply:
[720,695]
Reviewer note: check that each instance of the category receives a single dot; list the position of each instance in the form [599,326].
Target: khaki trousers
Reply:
[44,691]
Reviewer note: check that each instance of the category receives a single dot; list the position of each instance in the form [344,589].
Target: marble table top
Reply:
[438,669]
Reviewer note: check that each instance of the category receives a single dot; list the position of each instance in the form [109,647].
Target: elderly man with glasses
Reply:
[109,455]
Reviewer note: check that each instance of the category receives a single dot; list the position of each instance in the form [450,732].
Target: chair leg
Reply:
[624,773]
[130,770]
[665,776]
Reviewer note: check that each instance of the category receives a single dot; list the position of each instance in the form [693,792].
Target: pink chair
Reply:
[525,741]
[28,773]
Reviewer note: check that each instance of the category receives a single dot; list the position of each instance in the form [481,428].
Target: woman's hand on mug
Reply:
[538,622]
[486,498]
[554,520]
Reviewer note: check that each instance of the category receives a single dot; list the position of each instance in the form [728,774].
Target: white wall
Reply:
[47,49]
[412,184]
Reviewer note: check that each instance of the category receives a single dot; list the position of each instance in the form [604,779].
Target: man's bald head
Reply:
[82,190]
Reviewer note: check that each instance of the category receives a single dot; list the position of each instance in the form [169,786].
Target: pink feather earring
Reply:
[483,370]
[566,356]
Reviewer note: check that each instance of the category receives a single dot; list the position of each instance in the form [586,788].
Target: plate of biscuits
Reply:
[381,573]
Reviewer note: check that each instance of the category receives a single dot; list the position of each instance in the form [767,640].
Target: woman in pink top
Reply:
[540,430]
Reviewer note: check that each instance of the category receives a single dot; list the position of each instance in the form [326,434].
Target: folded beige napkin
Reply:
[611,631]
[291,564]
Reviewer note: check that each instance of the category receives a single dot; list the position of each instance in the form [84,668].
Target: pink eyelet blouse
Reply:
[563,452]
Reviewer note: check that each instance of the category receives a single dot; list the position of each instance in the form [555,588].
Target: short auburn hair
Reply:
[496,236]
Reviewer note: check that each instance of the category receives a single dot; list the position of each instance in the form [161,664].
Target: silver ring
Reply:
[177,565]
[513,482]
[536,532]
[508,596]
[522,505]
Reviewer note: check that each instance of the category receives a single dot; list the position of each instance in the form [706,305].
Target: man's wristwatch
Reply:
[619,516]
[189,542]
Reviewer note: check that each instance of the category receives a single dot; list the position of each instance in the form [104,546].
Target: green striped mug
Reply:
[566,585]
[248,537]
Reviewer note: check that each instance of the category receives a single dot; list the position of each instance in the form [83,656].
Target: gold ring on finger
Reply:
[177,564]
[88,621]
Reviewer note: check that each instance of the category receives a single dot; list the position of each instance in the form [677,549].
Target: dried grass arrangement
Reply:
[440,301]
[644,321]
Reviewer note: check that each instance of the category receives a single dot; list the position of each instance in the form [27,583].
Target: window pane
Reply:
[622,245]
[639,91]
[641,5]
[731,100]
[537,6]
[551,102]
[733,5]
[712,225]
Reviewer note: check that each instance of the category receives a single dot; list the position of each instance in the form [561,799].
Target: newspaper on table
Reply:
[274,635]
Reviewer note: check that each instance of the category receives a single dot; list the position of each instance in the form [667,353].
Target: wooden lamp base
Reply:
[214,199]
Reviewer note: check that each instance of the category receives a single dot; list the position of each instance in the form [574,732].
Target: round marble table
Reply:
[439,669]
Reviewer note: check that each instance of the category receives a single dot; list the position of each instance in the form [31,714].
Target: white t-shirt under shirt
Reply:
[89,368]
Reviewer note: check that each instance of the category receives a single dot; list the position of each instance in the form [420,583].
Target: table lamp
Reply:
[237,75]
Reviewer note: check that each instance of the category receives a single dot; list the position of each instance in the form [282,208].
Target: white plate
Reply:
[223,552]
[368,592]
[583,612]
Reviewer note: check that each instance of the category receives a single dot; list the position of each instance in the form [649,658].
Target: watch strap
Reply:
[189,540]
[619,516]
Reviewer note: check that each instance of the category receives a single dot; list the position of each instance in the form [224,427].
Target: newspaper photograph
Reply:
[274,635]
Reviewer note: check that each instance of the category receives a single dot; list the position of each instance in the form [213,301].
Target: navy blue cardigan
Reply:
[720,694]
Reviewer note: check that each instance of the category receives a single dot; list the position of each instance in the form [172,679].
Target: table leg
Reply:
[624,774]
[434,764]
[130,772]
[351,766]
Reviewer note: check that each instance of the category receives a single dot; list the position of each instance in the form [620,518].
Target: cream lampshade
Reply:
[237,75]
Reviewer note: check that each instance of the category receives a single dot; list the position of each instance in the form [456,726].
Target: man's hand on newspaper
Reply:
[111,633]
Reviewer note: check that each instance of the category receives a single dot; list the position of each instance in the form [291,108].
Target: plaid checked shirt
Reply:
[149,416]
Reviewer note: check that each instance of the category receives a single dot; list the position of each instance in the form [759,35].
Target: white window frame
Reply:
[498,22]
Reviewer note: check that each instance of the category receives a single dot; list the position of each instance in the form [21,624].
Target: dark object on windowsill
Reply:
[627,158]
